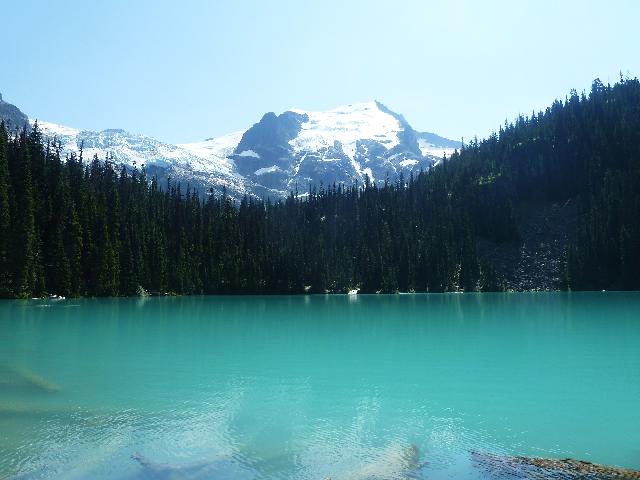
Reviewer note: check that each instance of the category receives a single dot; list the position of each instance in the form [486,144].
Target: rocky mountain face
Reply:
[297,149]
[12,117]
[294,151]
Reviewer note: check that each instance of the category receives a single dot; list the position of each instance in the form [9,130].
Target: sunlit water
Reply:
[316,387]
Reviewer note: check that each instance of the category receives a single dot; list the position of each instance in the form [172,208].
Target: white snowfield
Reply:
[215,152]
[127,148]
[210,163]
[53,129]
[347,125]
[430,149]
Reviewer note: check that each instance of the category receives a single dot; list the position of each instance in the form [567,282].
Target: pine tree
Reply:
[5,218]
[24,240]
[74,248]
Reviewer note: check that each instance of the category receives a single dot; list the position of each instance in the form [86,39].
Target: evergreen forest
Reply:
[88,227]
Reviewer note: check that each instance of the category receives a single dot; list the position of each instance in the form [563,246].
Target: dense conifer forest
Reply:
[77,228]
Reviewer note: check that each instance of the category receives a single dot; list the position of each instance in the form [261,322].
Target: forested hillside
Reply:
[73,228]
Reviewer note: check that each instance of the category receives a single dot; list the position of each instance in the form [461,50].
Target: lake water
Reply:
[316,387]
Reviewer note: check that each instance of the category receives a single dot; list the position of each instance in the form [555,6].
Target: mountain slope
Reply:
[279,154]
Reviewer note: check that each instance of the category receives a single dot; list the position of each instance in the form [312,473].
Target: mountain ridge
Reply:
[276,155]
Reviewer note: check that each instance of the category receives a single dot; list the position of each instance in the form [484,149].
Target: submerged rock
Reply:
[502,466]
[223,467]
[394,463]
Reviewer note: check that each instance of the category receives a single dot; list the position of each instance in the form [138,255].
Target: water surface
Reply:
[316,387]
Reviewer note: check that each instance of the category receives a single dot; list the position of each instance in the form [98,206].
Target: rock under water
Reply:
[394,463]
[503,467]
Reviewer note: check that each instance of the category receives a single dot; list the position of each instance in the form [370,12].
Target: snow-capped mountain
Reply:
[279,154]
[297,149]
[158,158]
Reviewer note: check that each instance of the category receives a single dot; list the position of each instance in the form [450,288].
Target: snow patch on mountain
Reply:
[50,129]
[248,153]
[408,163]
[271,169]
[428,148]
[215,153]
[347,125]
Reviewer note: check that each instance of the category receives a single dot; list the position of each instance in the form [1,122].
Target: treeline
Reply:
[74,229]
[71,227]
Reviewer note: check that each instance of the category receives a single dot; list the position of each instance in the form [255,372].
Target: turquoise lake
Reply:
[316,387]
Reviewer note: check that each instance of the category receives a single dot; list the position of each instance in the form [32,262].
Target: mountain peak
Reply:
[349,124]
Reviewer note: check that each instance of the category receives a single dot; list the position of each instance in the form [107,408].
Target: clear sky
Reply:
[186,70]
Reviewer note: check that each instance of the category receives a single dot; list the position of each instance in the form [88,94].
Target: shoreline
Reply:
[309,294]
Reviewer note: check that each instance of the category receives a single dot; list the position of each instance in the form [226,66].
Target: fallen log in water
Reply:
[21,377]
[503,466]
[35,380]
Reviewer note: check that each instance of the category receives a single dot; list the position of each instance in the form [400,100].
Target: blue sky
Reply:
[183,71]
